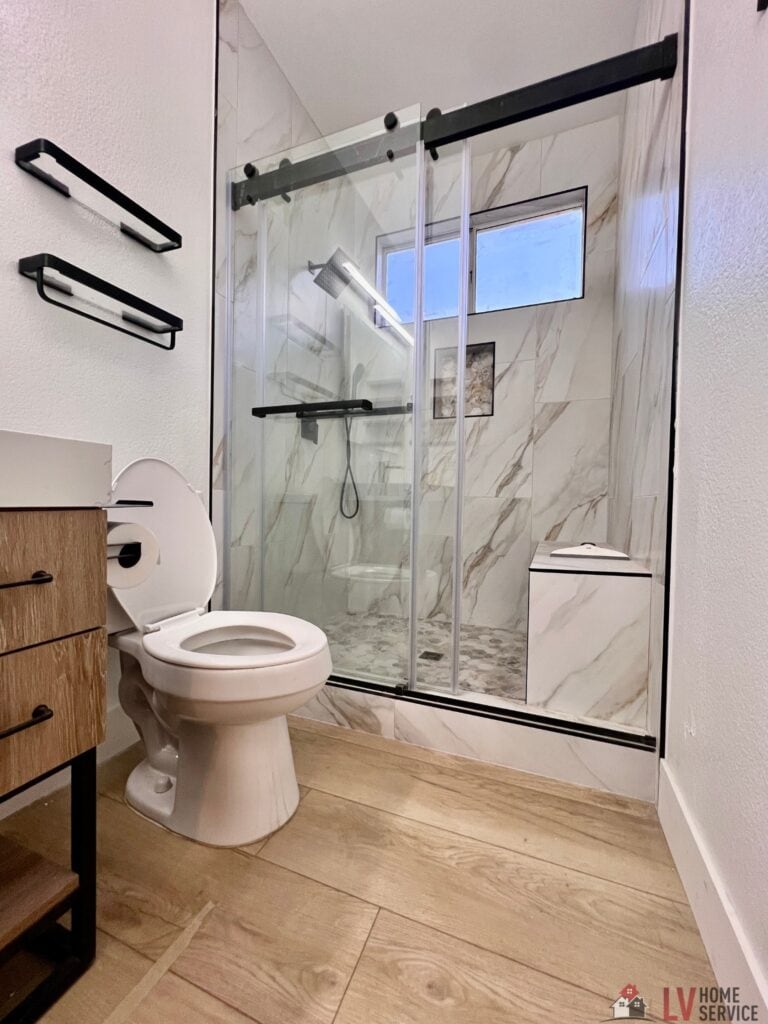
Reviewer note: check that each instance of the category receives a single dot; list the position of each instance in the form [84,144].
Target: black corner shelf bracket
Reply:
[34,267]
[26,156]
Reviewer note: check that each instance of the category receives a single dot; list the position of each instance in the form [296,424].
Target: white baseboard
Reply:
[121,734]
[730,952]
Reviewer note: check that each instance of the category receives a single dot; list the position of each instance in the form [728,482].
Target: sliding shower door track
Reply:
[582,730]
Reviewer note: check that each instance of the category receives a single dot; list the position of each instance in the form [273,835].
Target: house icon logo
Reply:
[629,1004]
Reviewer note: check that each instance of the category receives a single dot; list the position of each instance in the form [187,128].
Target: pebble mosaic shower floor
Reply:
[375,647]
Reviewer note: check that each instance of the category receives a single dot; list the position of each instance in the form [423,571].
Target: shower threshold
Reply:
[375,647]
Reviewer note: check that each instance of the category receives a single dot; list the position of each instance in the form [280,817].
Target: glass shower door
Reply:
[320,513]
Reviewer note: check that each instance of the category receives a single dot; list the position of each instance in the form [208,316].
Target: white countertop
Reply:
[37,471]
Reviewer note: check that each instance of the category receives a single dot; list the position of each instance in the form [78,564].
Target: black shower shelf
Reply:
[34,267]
[30,151]
[306,409]
[341,409]
[378,410]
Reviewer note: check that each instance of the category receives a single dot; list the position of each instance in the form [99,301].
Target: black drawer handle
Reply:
[41,714]
[41,576]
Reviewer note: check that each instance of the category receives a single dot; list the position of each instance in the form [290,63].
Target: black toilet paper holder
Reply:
[128,555]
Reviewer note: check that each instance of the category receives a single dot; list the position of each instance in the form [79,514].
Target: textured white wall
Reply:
[127,87]
[718,711]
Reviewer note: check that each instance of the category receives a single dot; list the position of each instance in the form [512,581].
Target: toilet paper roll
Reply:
[122,577]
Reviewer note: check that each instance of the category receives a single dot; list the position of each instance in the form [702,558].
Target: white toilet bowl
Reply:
[207,691]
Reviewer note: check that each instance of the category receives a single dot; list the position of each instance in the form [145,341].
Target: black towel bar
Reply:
[30,151]
[34,267]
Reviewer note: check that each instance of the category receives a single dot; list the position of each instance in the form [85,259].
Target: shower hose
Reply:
[349,479]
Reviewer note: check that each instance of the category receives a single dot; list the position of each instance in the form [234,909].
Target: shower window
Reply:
[524,254]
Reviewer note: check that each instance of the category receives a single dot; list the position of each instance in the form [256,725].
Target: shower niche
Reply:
[442,370]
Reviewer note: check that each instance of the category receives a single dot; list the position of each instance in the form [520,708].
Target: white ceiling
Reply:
[353,60]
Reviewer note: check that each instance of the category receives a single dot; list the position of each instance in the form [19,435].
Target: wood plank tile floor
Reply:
[410,887]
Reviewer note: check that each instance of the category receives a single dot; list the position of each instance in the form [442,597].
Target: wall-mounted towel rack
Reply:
[31,151]
[35,266]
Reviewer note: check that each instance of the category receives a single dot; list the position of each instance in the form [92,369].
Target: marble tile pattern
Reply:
[258,113]
[588,645]
[538,468]
[302,549]
[626,771]
[644,335]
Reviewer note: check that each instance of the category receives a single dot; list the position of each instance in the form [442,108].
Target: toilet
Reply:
[208,691]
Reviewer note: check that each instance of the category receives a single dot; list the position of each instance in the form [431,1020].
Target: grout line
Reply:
[357,964]
[496,846]
[161,967]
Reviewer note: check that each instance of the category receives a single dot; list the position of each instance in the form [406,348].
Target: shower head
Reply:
[332,277]
[338,273]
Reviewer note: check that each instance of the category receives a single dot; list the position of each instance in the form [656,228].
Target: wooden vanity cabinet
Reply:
[53,652]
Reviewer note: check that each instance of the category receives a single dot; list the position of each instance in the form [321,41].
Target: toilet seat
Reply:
[243,640]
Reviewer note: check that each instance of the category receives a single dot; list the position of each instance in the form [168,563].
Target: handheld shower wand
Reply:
[349,476]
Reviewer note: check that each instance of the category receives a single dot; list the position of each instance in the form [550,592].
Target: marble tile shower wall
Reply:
[645,305]
[538,468]
[258,114]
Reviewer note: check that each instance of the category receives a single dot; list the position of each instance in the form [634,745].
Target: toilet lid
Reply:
[185,575]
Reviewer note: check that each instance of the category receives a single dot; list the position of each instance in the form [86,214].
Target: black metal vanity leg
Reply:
[83,813]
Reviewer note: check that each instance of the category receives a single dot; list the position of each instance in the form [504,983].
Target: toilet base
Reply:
[235,784]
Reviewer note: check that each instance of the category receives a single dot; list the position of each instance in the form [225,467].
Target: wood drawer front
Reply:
[72,546]
[69,676]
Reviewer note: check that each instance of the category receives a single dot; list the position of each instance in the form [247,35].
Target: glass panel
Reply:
[441,270]
[537,422]
[438,477]
[320,508]
[416,537]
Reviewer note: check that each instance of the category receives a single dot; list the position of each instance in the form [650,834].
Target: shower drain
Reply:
[431,656]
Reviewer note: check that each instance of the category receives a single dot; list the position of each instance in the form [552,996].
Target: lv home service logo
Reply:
[681,1004]
[686,1004]
[629,1004]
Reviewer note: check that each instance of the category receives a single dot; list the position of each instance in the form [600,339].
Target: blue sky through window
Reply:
[521,263]
[441,280]
[530,261]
